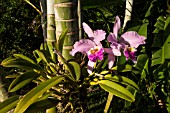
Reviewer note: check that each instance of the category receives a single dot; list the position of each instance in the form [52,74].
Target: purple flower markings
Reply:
[128,42]
[95,53]
[92,47]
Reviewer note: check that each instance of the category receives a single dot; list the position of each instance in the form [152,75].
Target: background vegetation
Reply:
[21,32]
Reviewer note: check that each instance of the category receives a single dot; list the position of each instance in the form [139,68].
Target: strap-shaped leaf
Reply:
[21,56]
[41,105]
[9,104]
[75,69]
[20,63]
[66,64]
[34,94]
[41,55]
[23,80]
[61,40]
[116,90]
[122,80]
[122,68]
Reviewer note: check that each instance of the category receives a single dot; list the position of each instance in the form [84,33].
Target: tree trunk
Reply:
[66,18]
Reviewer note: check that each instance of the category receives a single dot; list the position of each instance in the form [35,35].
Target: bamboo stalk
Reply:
[128,12]
[79,19]
[66,18]
[51,37]
[43,6]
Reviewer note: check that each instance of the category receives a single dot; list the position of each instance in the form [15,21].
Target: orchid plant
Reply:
[92,47]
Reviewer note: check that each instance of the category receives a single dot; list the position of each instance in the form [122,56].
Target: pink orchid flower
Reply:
[92,47]
[129,41]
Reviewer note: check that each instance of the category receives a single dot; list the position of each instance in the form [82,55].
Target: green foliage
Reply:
[116,90]
[34,94]
[143,87]
[19,28]
[9,104]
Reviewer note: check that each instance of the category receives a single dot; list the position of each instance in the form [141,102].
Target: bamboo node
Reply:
[50,28]
[51,15]
[49,40]
[67,4]
[67,47]
[68,33]
[68,20]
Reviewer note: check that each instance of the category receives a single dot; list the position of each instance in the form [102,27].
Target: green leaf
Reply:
[163,40]
[67,65]
[21,56]
[23,80]
[61,40]
[140,28]
[141,61]
[160,23]
[133,91]
[116,90]
[121,59]
[41,105]
[34,94]
[122,80]
[20,63]
[9,104]
[122,68]
[41,55]
[142,65]
[143,30]
[75,69]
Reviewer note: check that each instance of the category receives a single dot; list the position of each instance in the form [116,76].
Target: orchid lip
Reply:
[130,52]
[95,53]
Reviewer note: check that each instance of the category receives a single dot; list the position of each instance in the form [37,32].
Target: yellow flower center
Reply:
[94,50]
[131,49]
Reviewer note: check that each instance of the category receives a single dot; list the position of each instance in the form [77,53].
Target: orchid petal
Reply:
[99,35]
[116,26]
[112,38]
[90,66]
[132,38]
[111,60]
[88,30]
[111,57]
[116,45]
[116,52]
[82,46]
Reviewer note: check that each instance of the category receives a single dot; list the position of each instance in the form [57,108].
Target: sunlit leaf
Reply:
[9,104]
[116,90]
[24,57]
[22,64]
[122,80]
[41,105]
[34,94]
[41,55]
[23,80]
[122,68]
[75,69]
